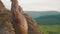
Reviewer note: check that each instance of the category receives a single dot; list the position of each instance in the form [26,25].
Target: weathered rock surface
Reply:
[32,25]
[6,26]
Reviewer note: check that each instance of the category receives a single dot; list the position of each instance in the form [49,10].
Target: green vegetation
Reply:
[49,21]
[50,29]
[35,14]
[46,17]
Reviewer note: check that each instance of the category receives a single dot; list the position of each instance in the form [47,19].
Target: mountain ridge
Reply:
[46,18]
[35,14]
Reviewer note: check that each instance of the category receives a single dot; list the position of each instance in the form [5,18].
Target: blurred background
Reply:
[45,12]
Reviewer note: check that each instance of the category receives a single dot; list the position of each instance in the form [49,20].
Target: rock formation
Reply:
[11,24]
[20,23]
[5,23]
[33,27]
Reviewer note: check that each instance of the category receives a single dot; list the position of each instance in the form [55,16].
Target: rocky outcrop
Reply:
[6,22]
[33,27]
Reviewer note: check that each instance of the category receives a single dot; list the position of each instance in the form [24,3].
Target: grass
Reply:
[50,29]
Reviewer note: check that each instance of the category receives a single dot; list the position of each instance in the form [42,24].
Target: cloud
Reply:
[39,1]
[36,5]
[41,5]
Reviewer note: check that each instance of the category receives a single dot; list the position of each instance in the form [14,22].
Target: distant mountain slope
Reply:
[35,14]
[49,20]
[46,17]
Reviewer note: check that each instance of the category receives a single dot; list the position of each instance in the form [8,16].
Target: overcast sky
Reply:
[36,5]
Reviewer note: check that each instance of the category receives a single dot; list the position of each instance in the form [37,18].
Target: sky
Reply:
[36,5]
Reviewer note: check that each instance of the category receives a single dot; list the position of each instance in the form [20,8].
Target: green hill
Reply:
[45,17]
[49,20]
[35,14]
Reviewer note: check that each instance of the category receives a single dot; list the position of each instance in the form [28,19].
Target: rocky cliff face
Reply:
[6,26]
[32,25]
[5,23]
